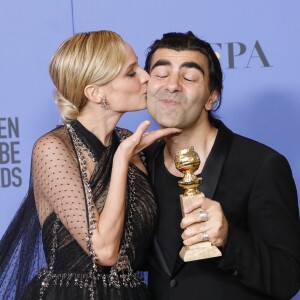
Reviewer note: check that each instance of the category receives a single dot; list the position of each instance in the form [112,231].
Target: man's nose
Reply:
[173,83]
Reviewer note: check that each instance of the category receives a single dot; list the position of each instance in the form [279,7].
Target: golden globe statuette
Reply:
[187,161]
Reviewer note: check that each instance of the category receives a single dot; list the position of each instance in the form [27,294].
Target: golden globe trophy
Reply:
[187,161]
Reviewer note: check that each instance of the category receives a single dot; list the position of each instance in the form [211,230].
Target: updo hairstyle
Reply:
[84,59]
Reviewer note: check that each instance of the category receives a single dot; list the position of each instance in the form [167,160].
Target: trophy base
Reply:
[199,251]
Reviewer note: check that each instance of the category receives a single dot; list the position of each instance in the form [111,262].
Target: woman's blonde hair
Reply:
[85,58]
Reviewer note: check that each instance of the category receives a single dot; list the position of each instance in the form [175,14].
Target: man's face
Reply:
[178,93]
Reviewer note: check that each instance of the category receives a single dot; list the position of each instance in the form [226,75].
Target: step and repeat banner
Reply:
[257,43]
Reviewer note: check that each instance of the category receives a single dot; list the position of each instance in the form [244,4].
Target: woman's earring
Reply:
[104,104]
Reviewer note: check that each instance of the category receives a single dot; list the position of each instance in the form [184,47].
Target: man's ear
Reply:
[214,95]
[94,93]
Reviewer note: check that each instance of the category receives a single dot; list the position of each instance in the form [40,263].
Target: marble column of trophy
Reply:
[187,161]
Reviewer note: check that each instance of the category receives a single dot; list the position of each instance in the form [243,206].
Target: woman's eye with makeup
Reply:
[131,74]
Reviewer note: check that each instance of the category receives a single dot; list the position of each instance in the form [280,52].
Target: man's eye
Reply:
[188,79]
[160,75]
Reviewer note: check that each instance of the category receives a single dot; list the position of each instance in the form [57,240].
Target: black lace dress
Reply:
[62,269]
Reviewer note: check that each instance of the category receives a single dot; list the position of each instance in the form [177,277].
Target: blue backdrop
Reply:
[257,41]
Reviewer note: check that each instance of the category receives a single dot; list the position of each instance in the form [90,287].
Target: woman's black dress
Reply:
[68,272]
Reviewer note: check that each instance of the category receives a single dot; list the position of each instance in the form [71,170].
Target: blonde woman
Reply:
[90,193]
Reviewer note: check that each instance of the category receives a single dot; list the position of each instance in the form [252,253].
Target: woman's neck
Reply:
[102,127]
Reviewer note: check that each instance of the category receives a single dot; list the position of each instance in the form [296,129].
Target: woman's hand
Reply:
[140,139]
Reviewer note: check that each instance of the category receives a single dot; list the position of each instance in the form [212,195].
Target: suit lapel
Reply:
[214,164]
[212,170]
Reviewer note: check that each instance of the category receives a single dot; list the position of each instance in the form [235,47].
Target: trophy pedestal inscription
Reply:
[187,161]
[201,250]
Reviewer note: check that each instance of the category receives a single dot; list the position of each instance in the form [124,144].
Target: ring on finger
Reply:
[203,216]
[205,237]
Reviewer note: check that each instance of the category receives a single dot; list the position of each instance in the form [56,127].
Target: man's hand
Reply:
[215,229]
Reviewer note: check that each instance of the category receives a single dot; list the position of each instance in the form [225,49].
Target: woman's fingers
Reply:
[142,128]
[152,136]
[140,139]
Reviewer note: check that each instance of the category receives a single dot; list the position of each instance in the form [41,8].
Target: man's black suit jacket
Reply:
[261,259]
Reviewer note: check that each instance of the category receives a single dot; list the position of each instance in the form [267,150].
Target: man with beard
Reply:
[250,204]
